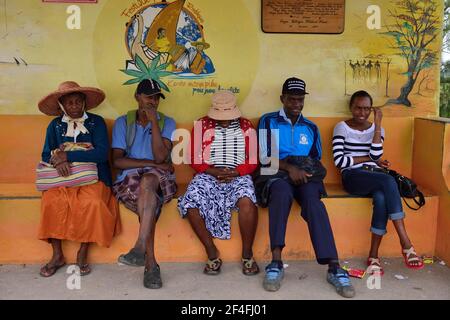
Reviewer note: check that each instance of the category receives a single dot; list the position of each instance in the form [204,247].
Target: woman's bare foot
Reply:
[82,259]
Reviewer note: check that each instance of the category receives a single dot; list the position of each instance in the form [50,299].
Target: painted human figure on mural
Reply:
[369,70]
[358,70]
[192,58]
[208,66]
[378,70]
[353,66]
[363,70]
[162,45]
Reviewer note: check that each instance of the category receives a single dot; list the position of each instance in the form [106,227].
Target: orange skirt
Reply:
[82,214]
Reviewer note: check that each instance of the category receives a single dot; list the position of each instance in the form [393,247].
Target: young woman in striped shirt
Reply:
[357,151]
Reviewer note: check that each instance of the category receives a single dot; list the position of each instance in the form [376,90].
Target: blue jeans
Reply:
[387,203]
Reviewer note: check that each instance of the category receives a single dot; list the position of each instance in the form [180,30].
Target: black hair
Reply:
[360,94]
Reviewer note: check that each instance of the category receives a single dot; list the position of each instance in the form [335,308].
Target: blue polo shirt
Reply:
[142,145]
[299,139]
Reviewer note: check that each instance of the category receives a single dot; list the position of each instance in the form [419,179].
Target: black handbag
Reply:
[310,165]
[408,189]
[263,182]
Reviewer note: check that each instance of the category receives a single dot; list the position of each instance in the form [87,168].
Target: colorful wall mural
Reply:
[195,47]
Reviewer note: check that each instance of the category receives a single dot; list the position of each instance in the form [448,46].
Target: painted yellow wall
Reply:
[244,57]
[19,167]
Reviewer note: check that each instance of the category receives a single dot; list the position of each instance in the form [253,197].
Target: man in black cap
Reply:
[142,143]
[287,137]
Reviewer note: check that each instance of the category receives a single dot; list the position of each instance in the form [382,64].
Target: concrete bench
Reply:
[175,241]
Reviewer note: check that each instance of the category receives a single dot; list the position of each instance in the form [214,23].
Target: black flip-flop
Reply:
[133,258]
[84,269]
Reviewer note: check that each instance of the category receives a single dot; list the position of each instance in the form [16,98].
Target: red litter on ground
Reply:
[355,273]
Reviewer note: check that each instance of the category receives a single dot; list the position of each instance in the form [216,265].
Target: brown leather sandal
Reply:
[249,267]
[47,271]
[212,267]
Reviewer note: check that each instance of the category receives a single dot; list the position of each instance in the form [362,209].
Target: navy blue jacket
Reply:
[98,136]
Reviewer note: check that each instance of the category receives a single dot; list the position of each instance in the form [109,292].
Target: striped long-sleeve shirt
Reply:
[228,147]
[349,143]
[200,153]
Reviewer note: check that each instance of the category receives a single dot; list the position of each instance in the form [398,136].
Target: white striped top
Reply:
[349,143]
[228,147]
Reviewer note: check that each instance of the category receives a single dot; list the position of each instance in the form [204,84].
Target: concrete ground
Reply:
[185,281]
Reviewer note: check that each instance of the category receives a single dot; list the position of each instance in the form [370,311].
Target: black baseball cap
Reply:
[149,87]
[294,86]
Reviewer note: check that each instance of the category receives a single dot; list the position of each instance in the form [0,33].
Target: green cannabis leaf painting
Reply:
[154,70]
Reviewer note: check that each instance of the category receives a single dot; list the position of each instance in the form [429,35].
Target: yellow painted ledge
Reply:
[19,190]
[175,240]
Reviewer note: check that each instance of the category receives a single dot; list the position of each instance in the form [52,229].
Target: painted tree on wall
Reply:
[446,33]
[414,29]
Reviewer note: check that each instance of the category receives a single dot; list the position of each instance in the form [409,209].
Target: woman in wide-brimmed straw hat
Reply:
[225,158]
[87,213]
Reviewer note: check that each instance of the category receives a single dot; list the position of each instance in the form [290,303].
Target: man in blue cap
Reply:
[142,143]
[296,137]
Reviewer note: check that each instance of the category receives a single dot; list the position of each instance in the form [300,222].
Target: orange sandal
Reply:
[374,266]
[409,261]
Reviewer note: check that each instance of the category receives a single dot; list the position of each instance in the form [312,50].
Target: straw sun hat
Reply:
[224,106]
[49,104]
